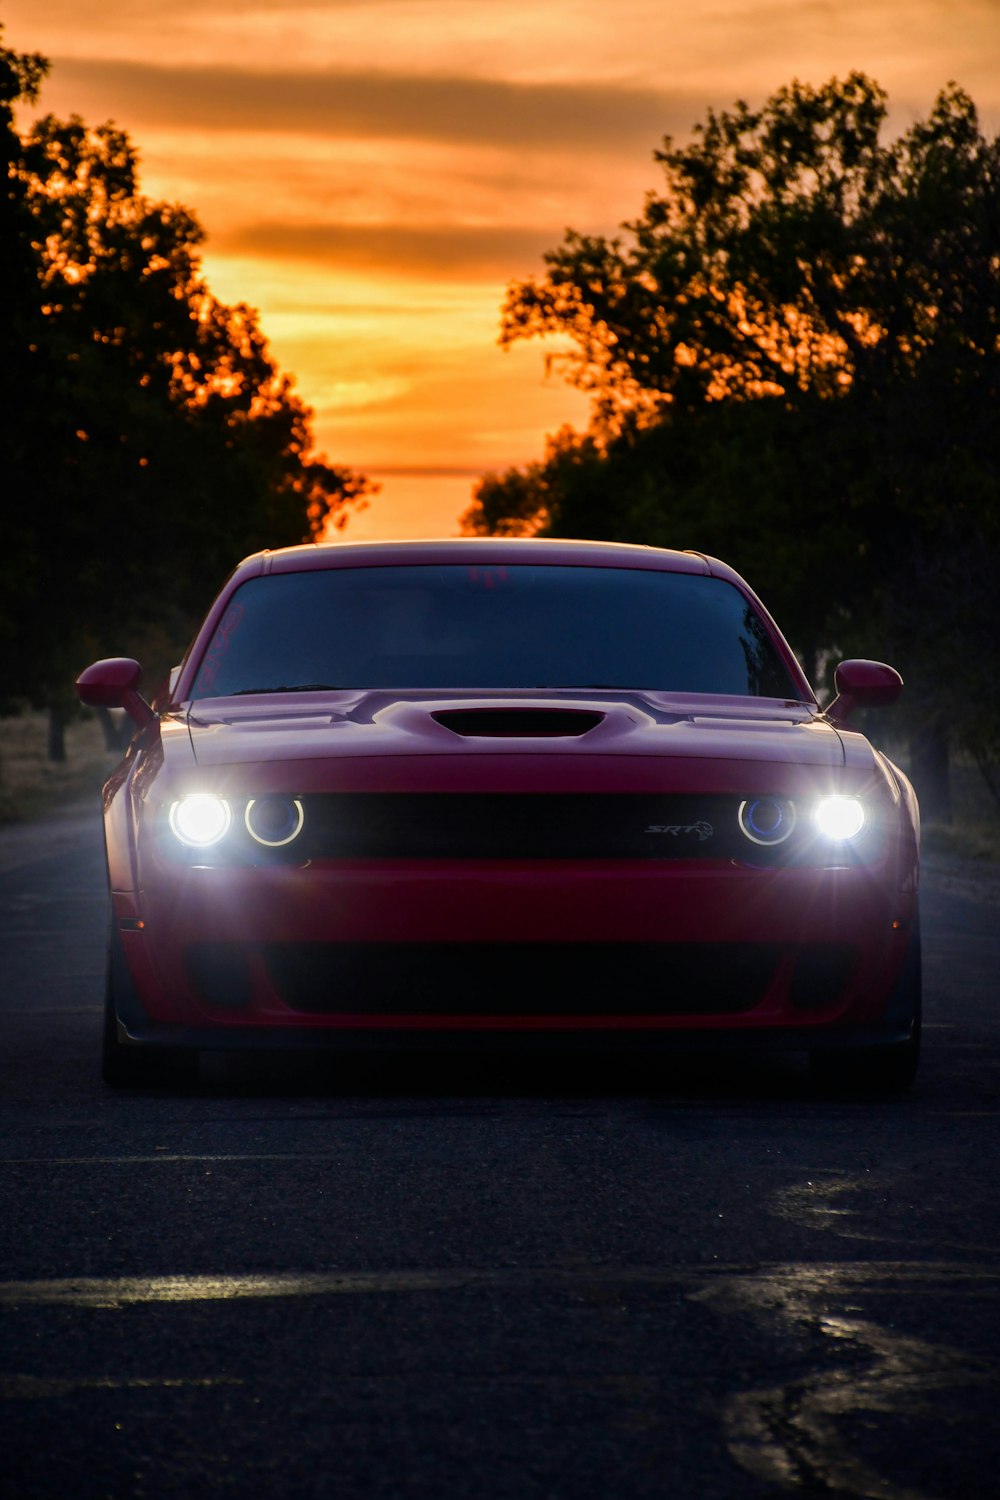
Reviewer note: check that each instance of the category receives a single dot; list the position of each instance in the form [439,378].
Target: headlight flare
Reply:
[839,818]
[200,819]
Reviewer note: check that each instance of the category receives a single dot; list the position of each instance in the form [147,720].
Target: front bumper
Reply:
[574,952]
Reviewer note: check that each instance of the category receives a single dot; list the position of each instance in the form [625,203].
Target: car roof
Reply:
[495,551]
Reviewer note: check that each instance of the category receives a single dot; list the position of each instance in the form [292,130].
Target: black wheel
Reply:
[879,1070]
[124,1066]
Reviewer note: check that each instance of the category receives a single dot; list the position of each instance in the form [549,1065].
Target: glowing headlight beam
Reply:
[200,819]
[839,818]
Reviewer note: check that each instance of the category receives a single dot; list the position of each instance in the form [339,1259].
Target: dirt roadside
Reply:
[972,879]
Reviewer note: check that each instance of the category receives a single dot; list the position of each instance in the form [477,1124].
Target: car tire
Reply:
[888,1069]
[125,1066]
[121,1067]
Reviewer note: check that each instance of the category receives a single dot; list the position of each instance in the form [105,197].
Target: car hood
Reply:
[313,726]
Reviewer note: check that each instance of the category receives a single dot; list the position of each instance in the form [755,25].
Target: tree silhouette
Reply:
[792,252]
[793,359]
[150,440]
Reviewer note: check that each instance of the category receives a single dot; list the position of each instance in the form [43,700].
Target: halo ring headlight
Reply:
[274,821]
[767,820]
[200,819]
[839,818]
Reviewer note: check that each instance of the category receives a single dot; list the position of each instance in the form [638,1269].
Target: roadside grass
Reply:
[970,834]
[31,785]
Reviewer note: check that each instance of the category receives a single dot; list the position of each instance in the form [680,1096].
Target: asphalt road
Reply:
[701,1283]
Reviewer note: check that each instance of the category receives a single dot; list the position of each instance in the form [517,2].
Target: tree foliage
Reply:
[792,252]
[793,359]
[149,438]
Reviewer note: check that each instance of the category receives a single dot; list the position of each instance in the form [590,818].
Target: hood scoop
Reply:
[518,723]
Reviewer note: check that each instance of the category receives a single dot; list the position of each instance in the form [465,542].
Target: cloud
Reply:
[374,104]
[451,251]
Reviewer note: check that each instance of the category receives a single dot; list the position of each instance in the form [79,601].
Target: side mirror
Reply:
[114,683]
[863,684]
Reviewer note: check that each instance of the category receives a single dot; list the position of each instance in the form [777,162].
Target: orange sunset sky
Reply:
[372,173]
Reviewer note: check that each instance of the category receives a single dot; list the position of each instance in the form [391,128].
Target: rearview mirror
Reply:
[863,684]
[114,683]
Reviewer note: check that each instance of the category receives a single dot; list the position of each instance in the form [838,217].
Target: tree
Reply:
[791,252]
[154,440]
[793,356]
[20,319]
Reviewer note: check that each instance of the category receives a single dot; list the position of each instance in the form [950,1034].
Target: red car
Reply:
[501,791]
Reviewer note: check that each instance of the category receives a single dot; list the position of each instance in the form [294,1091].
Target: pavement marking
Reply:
[59,1011]
[794,1434]
[44,1387]
[812,1279]
[158,1156]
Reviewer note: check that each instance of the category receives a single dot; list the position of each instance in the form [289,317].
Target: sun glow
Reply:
[371,177]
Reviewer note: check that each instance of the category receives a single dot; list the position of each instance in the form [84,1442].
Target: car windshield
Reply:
[447,626]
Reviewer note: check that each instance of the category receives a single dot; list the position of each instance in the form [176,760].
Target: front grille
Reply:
[458,825]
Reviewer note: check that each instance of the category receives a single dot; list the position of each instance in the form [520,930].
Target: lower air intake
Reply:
[510,979]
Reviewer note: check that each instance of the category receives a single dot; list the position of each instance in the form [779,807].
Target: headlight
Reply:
[200,819]
[839,818]
[274,821]
[767,820]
